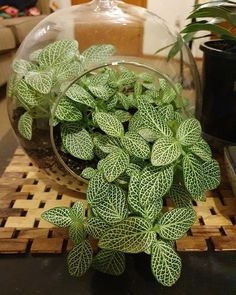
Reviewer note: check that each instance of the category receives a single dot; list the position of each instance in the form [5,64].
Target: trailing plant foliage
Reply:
[131,125]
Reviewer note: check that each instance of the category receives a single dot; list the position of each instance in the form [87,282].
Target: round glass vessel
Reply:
[84,59]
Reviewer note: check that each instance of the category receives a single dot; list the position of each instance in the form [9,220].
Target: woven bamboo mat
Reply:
[25,193]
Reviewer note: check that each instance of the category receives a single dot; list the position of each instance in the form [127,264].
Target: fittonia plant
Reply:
[142,149]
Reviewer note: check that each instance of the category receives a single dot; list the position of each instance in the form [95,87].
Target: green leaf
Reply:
[132,235]
[168,93]
[165,151]
[148,211]
[97,53]
[211,170]
[80,259]
[40,81]
[59,216]
[175,223]
[113,208]
[79,94]
[135,122]
[155,183]
[180,196]
[136,145]
[200,26]
[25,124]
[148,134]
[78,143]
[101,91]
[152,120]
[97,190]
[115,164]
[67,110]
[166,112]
[126,77]
[104,143]
[77,232]
[165,263]
[77,211]
[96,227]
[67,71]
[122,115]
[189,132]
[193,175]
[109,262]
[215,12]
[109,124]
[202,150]
[28,95]
[88,173]
[22,67]
[35,54]
[56,52]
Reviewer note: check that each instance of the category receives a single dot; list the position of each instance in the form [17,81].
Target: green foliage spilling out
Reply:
[142,149]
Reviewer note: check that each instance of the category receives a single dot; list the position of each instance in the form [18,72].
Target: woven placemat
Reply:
[25,192]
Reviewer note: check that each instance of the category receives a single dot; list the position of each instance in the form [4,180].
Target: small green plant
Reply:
[130,126]
[208,17]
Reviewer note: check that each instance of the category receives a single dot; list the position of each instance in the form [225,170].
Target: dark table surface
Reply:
[205,273]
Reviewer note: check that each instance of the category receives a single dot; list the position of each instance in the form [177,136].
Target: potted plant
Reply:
[129,130]
[216,109]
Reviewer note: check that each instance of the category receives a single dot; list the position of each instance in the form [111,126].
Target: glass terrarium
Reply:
[79,63]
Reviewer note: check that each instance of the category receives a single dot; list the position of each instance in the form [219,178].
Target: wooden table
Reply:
[206,273]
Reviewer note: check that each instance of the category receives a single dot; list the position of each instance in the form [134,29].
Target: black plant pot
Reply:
[217,109]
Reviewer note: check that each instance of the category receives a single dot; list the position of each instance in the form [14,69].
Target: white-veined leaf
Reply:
[122,115]
[148,134]
[109,262]
[79,94]
[152,120]
[68,110]
[77,232]
[78,143]
[59,216]
[180,196]
[202,150]
[135,122]
[113,208]
[80,259]
[96,227]
[56,52]
[97,53]
[40,81]
[104,143]
[132,235]
[115,164]
[211,170]
[155,183]
[27,94]
[126,77]
[148,211]
[175,223]
[166,112]
[22,67]
[193,175]
[25,125]
[165,263]
[68,71]
[136,145]
[77,211]
[189,132]
[165,151]
[98,189]
[88,173]
[109,124]
[101,91]
[35,54]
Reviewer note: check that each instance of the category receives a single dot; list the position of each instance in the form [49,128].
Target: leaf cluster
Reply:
[207,18]
[130,125]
